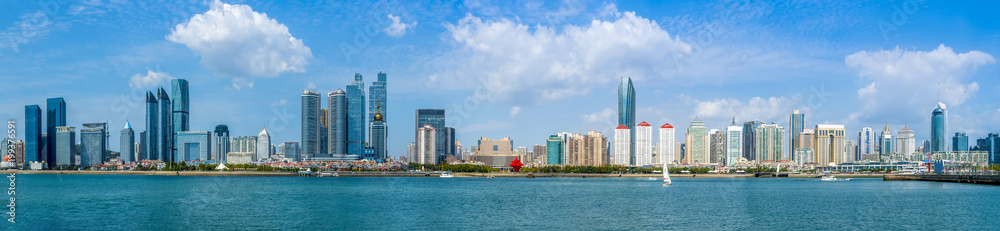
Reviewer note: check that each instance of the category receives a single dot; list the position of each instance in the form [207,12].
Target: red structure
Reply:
[516,164]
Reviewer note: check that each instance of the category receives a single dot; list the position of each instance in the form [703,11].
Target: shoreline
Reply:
[411,174]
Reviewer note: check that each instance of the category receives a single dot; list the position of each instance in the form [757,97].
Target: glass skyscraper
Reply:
[64,145]
[939,128]
[310,123]
[554,149]
[166,138]
[55,116]
[378,139]
[436,118]
[750,140]
[960,142]
[221,143]
[193,145]
[93,143]
[356,120]
[182,105]
[626,112]
[33,135]
[376,98]
[337,122]
[797,123]
[127,143]
[151,136]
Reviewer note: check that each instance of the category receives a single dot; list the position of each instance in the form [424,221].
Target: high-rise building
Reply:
[717,146]
[291,150]
[376,98]
[379,141]
[806,149]
[537,151]
[426,142]
[436,118]
[696,142]
[667,144]
[356,119]
[644,144]
[93,144]
[622,145]
[770,142]
[554,146]
[797,122]
[181,105]
[65,148]
[449,142]
[939,128]
[166,139]
[885,142]
[324,131]
[906,141]
[55,116]
[850,148]
[193,145]
[587,150]
[310,123]
[626,115]
[749,141]
[151,136]
[337,122]
[992,148]
[866,145]
[734,143]
[960,142]
[829,144]
[127,143]
[264,144]
[33,135]
[221,143]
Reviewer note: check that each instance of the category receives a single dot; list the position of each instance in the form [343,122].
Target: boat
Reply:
[666,175]
[828,177]
[653,178]
[327,174]
[447,175]
[489,177]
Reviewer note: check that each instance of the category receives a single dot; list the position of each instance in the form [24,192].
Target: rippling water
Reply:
[101,202]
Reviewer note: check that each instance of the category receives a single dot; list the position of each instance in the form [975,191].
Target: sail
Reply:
[666,174]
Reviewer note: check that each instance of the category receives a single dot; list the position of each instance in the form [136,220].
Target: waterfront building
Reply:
[586,150]
[426,145]
[734,143]
[33,135]
[436,118]
[356,119]
[866,145]
[166,136]
[806,138]
[626,116]
[264,144]
[379,137]
[622,145]
[127,143]
[311,105]
[885,142]
[829,144]
[697,141]
[717,146]
[644,144]
[537,152]
[193,145]
[65,147]
[55,116]
[749,139]
[181,105]
[411,153]
[554,146]
[291,151]
[796,123]
[804,155]
[450,147]
[459,152]
[993,149]
[93,144]
[905,141]
[939,128]
[376,98]
[667,144]
[850,148]
[960,142]
[150,137]
[337,122]
[324,131]
[221,143]
[769,140]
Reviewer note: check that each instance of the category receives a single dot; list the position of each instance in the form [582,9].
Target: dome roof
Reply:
[666,125]
[643,124]
[622,127]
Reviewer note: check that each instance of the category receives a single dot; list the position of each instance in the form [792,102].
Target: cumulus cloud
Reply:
[241,83]
[542,64]
[514,111]
[30,27]
[908,82]
[151,79]
[236,41]
[397,28]
[607,115]
[773,109]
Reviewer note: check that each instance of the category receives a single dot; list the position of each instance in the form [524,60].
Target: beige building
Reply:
[501,147]
[587,150]
[829,144]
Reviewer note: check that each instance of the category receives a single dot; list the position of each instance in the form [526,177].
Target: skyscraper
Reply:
[221,143]
[666,147]
[337,122]
[152,134]
[33,135]
[960,142]
[749,141]
[717,146]
[310,123]
[324,131]
[436,118]
[885,142]
[65,147]
[622,145]
[55,116]
[734,143]
[696,142]
[181,105]
[378,139]
[127,143]
[829,144]
[554,146]
[796,123]
[866,145]
[376,98]
[166,140]
[263,144]
[906,142]
[644,144]
[449,142]
[193,145]
[769,142]
[993,148]
[93,144]
[426,150]
[292,151]
[626,114]
[939,128]
[356,119]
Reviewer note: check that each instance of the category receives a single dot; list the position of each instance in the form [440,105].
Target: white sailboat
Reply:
[666,175]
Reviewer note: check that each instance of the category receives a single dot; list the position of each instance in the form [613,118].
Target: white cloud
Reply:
[236,41]
[514,111]
[908,83]
[398,29]
[30,27]
[607,115]
[310,85]
[543,64]
[150,80]
[773,109]
[241,83]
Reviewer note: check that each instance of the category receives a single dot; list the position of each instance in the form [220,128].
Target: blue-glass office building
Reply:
[960,142]
[181,105]
[356,120]
[554,148]
[126,140]
[193,145]
[151,136]
[626,112]
[93,144]
[310,123]
[939,128]
[166,138]
[337,122]
[436,118]
[55,115]
[33,135]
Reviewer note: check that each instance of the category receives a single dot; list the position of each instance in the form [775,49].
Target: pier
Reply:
[975,179]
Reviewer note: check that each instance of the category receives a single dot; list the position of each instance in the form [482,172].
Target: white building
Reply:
[263,144]
[622,143]
[667,144]
[734,144]
[866,144]
[643,144]
[426,145]
[906,142]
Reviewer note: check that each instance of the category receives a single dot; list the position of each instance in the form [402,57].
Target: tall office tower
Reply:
[33,135]
[181,105]
[459,152]
[906,142]
[829,144]
[717,146]
[356,119]
[449,142]
[55,116]
[337,122]
[866,144]
[193,145]
[993,148]
[850,148]
[554,146]
[797,122]
[734,143]
[769,142]
[426,142]
[291,150]
[939,128]
[622,145]
[93,144]
[140,147]
[749,141]
[960,142]
[166,140]
[925,146]
[411,153]
[65,147]
[666,145]
[885,142]
[436,118]
[644,144]
[696,142]
[221,143]
[263,144]
[151,139]
[376,98]
[127,143]
[310,123]
[626,115]
[806,138]
[379,139]
[324,131]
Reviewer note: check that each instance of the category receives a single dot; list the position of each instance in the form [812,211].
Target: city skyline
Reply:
[845,84]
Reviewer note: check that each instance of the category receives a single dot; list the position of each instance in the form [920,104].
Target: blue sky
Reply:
[519,69]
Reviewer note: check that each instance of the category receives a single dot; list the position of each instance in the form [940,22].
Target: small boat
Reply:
[447,175]
[828,177]
[666,175]
[653,178]
[327,174]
